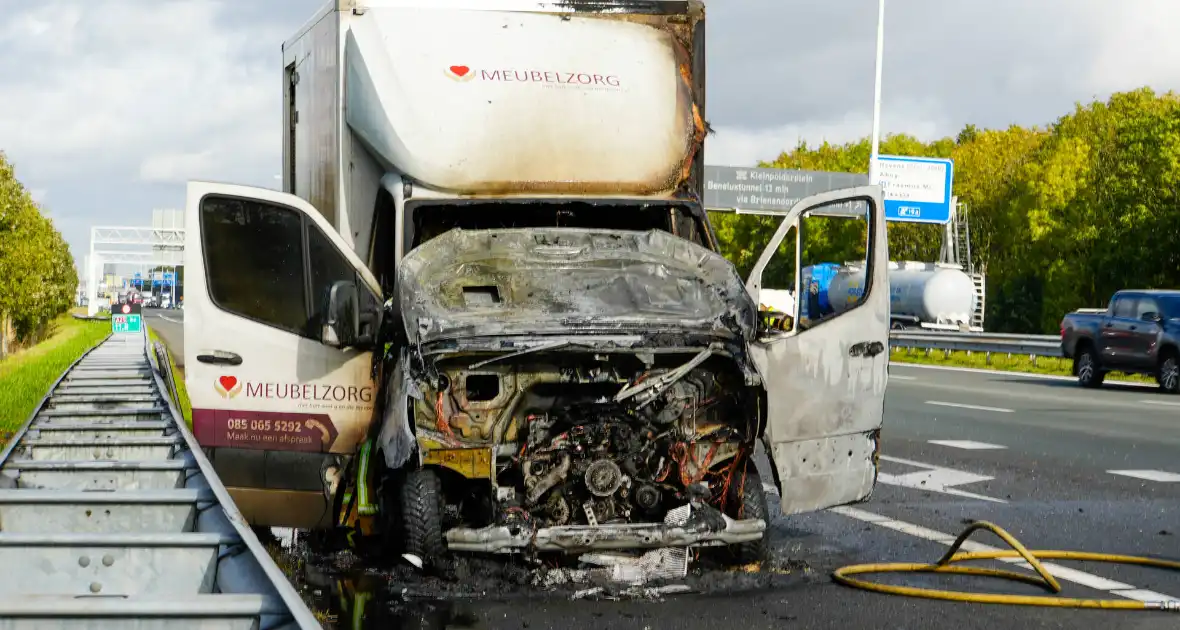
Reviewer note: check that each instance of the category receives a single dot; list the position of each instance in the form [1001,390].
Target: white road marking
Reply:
[1067,574]
[1044,377]
[908,462]
[1153,402]
[899,377]
[931,481]
[935,479]
[975,407]
[174,321]
[1143,595]
[1149,475]
[968,445]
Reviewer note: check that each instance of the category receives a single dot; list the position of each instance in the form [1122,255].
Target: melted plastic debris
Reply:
[658,564]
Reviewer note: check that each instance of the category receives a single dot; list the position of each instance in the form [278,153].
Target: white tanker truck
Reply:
[938,296]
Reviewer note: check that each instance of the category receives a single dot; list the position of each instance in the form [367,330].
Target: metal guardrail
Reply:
[988,343]
[112,517]
[163,365]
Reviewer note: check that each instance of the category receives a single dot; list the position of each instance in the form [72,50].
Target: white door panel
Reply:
[826,383]
[257,375]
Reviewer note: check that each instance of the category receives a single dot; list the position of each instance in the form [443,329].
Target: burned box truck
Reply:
[487,313]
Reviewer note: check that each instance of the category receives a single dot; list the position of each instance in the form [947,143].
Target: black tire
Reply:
[421,515]
[1087,368]
[1169,373]
[748,499]
[389,511]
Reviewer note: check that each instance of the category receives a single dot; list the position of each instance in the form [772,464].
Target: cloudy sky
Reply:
[108,106]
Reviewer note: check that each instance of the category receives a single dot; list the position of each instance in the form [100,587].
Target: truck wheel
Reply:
[421,514]
[749,500]
[1087,369]
[1169,374]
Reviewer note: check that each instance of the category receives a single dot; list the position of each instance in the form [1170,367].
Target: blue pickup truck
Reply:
[1138,333]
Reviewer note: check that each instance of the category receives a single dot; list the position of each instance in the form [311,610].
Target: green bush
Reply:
[37,276]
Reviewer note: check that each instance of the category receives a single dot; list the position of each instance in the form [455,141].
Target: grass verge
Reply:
[25,376]
[184,404]
[1055,366]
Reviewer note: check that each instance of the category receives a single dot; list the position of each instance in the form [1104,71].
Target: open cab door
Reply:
[280,321]
[825,365]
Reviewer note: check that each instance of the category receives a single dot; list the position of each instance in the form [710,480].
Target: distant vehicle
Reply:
[1138,333]
[929,296]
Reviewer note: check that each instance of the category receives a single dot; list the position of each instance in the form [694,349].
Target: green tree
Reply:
[37,277]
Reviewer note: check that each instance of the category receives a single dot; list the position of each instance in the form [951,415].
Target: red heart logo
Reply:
[460,71]
[228,382]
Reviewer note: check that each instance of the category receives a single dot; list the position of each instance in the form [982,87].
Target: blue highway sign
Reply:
[917,190]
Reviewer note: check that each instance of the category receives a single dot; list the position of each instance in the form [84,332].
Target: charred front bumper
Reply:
[687,526]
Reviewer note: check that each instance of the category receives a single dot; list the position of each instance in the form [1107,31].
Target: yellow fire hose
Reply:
[1043,579]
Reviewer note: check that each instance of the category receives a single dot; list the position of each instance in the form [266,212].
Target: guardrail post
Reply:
[1033,358]
[988,359]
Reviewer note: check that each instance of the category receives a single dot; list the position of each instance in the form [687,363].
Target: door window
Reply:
[268,263]
[254,260]
[326,267]
[1146,305]
[1125,307]
[820,271]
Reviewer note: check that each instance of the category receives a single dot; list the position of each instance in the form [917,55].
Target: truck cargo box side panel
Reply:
[361,185]
[316,123]
[487,102]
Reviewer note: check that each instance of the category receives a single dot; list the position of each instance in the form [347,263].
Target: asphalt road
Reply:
[1058,466]
[1033,455]
[169,324]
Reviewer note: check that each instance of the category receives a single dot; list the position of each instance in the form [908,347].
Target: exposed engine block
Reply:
[598,462]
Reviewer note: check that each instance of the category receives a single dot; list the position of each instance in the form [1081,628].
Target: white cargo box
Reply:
[494,98]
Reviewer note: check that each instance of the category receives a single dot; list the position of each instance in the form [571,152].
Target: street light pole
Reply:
[877,93]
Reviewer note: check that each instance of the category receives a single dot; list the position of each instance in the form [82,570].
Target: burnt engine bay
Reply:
[593,439]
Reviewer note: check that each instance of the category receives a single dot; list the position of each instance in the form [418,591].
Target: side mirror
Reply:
[342,325]
[1152,316]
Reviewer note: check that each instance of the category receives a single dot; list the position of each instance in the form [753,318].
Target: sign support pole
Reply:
[877,94]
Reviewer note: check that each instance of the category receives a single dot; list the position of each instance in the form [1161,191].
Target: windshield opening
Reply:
[430,220]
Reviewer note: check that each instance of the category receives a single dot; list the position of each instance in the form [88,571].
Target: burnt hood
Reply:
[568,281]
